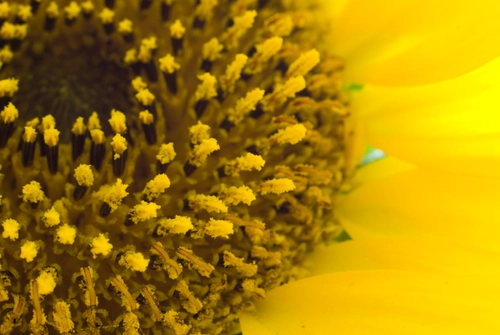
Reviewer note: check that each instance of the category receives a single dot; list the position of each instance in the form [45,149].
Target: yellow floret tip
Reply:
[52,10]
[204,10]
[94,122]
[177,225]
[199,132]
[146,117]
[206,90]
[212,49]
[6,54]
[51,137]
[4,10]
[9,113]
[156,186]
[32,192]
[11,229]
[144,211]
[145,97]
[234,195]
[168,64]
[134,261]
[303,64]
[245,105]
[66,234]
[166,154]
[125,27]
[107,16]
[88,6]
[240,26]
[177,30]
[51,218]
[119,145]
[291,134]
[62,318]
[276,186]
[233,73]
[118,122]
[46,281]
[97,136]
[24,12]
[130,56]
[29,250]
[48,122]
[79,127]
[100,246]
[114,194]
[218,228]
[202,151]
[8,87]
[72,10]
[139,84]
[210,203]
[84,176]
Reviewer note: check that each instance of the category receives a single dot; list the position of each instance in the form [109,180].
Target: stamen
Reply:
[62,317]
[84,179]
[37,324]
[78,137]
[291,134]
[203,13]
[243,107]
[234,195]
[33,194]
[188,300]
[156,187]
[276,186]
[205,91]
[125,28]
[164,157]
[173,268]
[147,49]
[51,15]
[169,68]
[264,52]
[94,122]
[142,212]
[166,6]
[118,122]
[178,225]
[119,145]
[11,229]
[8,117]
[51,218]
[127,300]
[147,100]
[230,260]
[48,122]
[232,74]
[177,31]
[87,8]
[90,295]
[100,246]
[211,52]
[208,203]
[238,29]
[29,250]
[51,139]
[107,17]
[134,261]
[248,162]
[13,318]
[97,148]
[203,268]
[65,234]
[302,65]
[243,223]
[174,321]
[112,197]
[71,12]
[148,295]
[218,228]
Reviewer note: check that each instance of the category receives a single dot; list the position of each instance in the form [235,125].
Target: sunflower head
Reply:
[164,163]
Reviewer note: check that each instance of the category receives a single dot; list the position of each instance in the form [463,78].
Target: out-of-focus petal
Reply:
[413,42]
[421,203]
[380,302]
[379,169]
[405,254]
[452,125]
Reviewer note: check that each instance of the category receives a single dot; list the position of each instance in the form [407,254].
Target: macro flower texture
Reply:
[195,167]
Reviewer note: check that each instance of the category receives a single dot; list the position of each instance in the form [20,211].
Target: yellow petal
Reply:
[410,42]
[379,169]
[380,302]
[452,125]
[420,203]
[405,254]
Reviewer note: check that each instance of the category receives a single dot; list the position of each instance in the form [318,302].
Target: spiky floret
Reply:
[168,206]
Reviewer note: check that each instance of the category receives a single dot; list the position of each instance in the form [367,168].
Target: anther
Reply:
[147,293]
[156,187]
[35,4]
[51,15]
[166,6]
[147,100]
[13,318]
[129,302]
[48,122]
[142,212]
[148,126]
[189,302]
[119,158]
[62,317]
[107,17]
[87,8]
[125,28]
[38,322]
[78,138]
[8,87]
[112,197]
[84,179]
[169,68]
[51,139]
[164,157]
[23,14]
[177,31]
[230,260]
[8,117]
[211,52]
[97,148]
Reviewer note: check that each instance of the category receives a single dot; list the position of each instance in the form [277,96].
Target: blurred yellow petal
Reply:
[452,125]
[405,254]
[412,42]
[380,302]
[379,169]
[420,203]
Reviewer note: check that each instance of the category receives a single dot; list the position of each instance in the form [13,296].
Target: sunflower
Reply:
[424,256]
